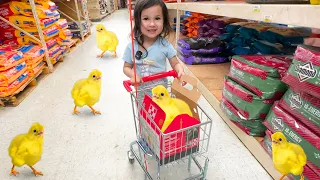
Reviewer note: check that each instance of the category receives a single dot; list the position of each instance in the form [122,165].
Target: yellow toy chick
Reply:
[287,157]
[106,40]
[27,149]
[87,91]
[171,106]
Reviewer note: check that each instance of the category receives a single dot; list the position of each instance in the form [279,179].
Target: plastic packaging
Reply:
[249,105]
[10,75]
[9,59]
[204,59]
[303,74]
[304,107]
[13,87]
[261,74]
[250,127]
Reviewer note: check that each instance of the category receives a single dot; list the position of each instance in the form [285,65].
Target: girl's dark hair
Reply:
[139,7]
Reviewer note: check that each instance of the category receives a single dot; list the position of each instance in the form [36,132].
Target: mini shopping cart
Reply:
[185,145]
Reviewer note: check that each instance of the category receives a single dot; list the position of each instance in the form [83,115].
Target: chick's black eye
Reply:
[34,130]
[280,139]
[101,29]
[162,94]
[94,76]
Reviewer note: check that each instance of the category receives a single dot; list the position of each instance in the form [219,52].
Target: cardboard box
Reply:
[176,145]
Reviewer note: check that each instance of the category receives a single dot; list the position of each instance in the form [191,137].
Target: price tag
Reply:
[256,8]
[267,18]
[218,8]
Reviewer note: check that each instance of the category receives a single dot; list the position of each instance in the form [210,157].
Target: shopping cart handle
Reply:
[127,84]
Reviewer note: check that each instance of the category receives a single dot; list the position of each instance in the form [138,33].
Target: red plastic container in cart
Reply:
[185,139]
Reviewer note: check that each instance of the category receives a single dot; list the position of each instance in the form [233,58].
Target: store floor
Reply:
[95,147]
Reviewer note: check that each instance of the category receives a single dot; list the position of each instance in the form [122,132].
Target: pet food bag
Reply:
[10,75]
[304,72]
[279,119]
[14,86]
[65,34]
[234,27]
[250,127]
[199,43]
[284,35]
[249,105]
[252,30]
[204,59]
[47,4]
[35,70]
[7,34]
[261,74]
[62,24]
[50,32]
[33,53]
[307,172]
[54,50]
[9,59]
[27,22]
[304,107]
[9,9]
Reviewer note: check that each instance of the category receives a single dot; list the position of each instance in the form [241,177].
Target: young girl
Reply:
[151,27]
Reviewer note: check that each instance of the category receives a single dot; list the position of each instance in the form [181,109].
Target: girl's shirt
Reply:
[155,62]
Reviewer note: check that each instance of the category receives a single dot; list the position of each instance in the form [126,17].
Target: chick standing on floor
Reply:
[27,149]
[87,91]
[287,157]
[106,40]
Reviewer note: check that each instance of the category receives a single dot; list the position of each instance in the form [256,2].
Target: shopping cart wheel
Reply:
[130,157]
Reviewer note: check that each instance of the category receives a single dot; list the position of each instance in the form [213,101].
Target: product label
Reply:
[302,106]
[277,123]
[305,71]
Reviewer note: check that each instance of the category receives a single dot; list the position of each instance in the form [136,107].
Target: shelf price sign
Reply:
[218,7]
[267,18]
[256,8]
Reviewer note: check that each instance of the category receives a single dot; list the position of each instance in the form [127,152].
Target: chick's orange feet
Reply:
[101,55]
[13,172]
[95,112]
[115,54]
[35,172]
[75,111]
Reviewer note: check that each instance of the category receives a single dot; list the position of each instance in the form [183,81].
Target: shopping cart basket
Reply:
[185,145]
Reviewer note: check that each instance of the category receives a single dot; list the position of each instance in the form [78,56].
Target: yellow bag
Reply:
[29,22]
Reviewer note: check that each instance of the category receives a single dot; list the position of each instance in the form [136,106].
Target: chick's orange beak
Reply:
[40,133]
[155,96]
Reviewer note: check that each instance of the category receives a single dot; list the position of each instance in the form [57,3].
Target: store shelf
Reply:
[210,84]
[292,14]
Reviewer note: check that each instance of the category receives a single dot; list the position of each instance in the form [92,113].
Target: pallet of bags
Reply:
[35,58]
[13,70]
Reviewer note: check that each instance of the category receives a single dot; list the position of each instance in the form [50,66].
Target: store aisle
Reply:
[95,147]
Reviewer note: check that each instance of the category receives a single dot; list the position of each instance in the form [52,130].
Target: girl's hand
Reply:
[138,80]
[179,69]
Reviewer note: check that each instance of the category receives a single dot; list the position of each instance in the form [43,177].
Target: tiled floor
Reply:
[95,147]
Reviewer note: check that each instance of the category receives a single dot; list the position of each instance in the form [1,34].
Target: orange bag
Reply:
[10,75]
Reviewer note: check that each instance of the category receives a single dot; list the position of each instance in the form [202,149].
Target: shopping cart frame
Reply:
[146,149]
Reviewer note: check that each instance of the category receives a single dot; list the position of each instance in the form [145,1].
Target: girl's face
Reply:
[152,22]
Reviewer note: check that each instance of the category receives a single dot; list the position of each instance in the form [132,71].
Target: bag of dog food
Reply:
[249,105]
[279,119]
[304,107]
[250,127]
[9,59]
[14,86]
[10,75]
[199,43]
[261,74]
[29,22]
[204,59]
[304,72]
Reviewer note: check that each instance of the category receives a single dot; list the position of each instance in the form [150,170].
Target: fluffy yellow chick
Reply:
[287,157]
[27,149]
[171,106]
[87,91]
[106,40]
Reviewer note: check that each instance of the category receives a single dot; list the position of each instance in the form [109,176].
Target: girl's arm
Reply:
[177,66]
[128,71]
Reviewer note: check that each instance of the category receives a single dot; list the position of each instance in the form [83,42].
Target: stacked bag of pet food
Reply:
[251,88]
[190,24]
[297,114]
[203,46]
[13,70]
[20,14]
[18,65]
[247,38]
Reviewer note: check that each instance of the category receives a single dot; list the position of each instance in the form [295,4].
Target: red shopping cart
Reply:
[186,140]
